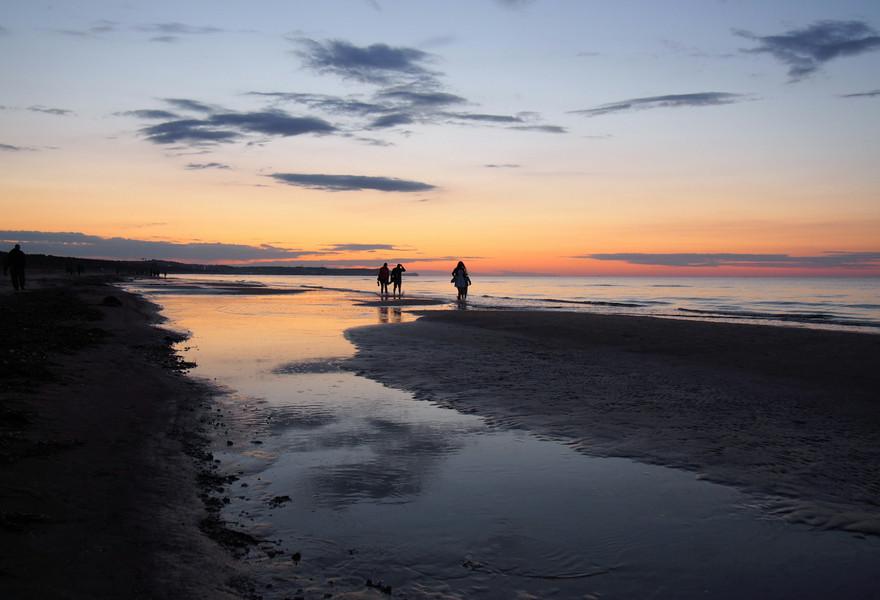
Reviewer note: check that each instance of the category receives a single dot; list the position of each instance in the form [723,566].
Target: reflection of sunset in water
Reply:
[280,329]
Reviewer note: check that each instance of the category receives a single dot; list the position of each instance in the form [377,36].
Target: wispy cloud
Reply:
[806,50]
[80,245]
[149,114]
[514,3]
[191,105]
[211,165]
[871,94]
[339,183]
[92,246]
[171,32]
[540,128]
[59,112]
[50,111]
[362,247]
[11,148]
[827,260]
[669,101]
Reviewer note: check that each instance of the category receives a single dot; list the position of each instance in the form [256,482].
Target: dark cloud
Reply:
[378,64]
[91,246]
[327,103]
[418,99]
[806,50]
[669,101]
[871,94]
[190,131]
[391,121]
[272,123]
[11,148]
[339,183]
[506,166]
[785,261]
[229,126]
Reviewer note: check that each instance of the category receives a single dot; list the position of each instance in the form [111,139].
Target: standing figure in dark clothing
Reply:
[382,280]
[461,280]
[397,280]
[15,266]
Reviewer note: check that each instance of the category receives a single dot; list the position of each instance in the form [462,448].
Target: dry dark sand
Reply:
[791,415]
[103,472]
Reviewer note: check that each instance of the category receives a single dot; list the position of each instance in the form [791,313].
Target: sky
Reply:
[566,137]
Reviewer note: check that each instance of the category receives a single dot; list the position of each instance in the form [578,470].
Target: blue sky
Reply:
[575,137]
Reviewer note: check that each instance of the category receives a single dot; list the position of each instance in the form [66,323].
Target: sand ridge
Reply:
[789,414]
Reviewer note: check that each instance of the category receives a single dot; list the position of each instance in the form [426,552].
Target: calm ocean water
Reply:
[837,303]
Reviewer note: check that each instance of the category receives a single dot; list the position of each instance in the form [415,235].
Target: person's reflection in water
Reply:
[390,314]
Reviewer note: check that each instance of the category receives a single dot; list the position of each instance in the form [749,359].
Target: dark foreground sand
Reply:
[791,415]
[103,472]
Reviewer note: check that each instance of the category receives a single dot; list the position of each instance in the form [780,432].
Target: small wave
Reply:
[591,302]
[819,319]
[578,302]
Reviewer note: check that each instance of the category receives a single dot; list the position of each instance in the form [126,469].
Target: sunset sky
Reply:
[571,137]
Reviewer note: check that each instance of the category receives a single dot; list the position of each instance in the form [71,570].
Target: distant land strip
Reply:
[136,267]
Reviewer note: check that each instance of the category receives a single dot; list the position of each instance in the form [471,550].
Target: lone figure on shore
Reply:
[461,280]
[382,280]
[15,265]
[397,280]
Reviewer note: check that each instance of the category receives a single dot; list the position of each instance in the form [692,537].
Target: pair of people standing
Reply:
[395,275]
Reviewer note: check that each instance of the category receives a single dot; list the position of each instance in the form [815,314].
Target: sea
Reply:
[835,303]
[357,489]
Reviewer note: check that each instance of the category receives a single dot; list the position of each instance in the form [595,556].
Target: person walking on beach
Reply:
[461,280]
[397,281]
[15,265]
[382,280]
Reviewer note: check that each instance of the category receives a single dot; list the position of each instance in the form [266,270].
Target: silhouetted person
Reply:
[15,266]
[397,280]
[461,280]
[382,280]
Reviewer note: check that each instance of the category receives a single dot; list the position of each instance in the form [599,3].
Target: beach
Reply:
[110,489]
[101,452]
[789,414]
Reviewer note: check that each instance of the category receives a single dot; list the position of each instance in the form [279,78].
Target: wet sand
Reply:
[102,458]
[790,415]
